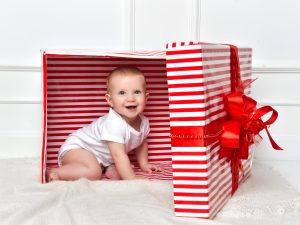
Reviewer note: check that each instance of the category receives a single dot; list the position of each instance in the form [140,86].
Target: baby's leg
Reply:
[77,163]
[112,172]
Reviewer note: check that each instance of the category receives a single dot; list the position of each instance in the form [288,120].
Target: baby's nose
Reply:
[130,97]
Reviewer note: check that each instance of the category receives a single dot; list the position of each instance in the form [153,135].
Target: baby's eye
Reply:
[137,92]
[121,92]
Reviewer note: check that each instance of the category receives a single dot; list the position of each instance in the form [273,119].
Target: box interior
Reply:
[76,87]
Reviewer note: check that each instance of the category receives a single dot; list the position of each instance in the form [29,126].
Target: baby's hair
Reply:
[125,71]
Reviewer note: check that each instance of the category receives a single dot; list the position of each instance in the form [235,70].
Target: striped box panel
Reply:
[198,78]
[75,86]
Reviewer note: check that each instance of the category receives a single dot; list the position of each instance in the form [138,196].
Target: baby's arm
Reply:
[142,157]
[121,160]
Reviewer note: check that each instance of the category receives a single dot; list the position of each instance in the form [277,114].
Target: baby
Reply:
[102,146]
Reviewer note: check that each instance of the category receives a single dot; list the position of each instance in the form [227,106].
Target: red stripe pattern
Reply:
[198,78]
[75,86]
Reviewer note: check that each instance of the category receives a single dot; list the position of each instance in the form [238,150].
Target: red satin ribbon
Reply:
[244,122]
[192,136]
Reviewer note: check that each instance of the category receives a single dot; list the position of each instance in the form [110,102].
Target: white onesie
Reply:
[110,127]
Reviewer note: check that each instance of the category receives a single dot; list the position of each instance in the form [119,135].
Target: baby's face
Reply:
[127,95]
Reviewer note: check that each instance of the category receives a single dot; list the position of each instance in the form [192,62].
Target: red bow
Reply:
[245,122]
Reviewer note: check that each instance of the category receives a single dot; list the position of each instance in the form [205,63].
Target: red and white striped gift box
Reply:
[198,79]
[186,84]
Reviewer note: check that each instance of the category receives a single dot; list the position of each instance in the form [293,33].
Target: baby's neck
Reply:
[135,123]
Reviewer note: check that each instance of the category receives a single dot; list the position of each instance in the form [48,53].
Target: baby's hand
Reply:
[151,167]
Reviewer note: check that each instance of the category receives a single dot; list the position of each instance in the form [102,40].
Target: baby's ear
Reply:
[108,99]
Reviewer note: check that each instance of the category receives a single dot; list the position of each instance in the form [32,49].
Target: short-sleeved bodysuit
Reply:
[110,127]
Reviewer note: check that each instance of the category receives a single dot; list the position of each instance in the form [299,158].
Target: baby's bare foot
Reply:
[52,175]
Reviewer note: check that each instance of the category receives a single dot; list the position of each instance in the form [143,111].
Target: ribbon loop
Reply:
[259,113]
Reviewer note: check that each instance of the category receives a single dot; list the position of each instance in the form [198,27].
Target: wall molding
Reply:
[194,19]
[31,134]
[21,68]
[130,24]
[255,70]
[38,101]
[272,70]
[20,100]
[263,102]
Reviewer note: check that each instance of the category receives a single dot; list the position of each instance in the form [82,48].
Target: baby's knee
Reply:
[94,174]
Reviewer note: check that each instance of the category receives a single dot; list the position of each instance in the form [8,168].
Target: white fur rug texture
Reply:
[265,198]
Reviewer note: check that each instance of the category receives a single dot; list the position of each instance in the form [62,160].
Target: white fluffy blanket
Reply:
[264,198]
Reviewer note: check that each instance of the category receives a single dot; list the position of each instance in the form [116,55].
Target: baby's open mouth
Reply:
[131,107]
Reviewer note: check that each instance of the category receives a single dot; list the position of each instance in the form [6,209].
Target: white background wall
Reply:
[269,27]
